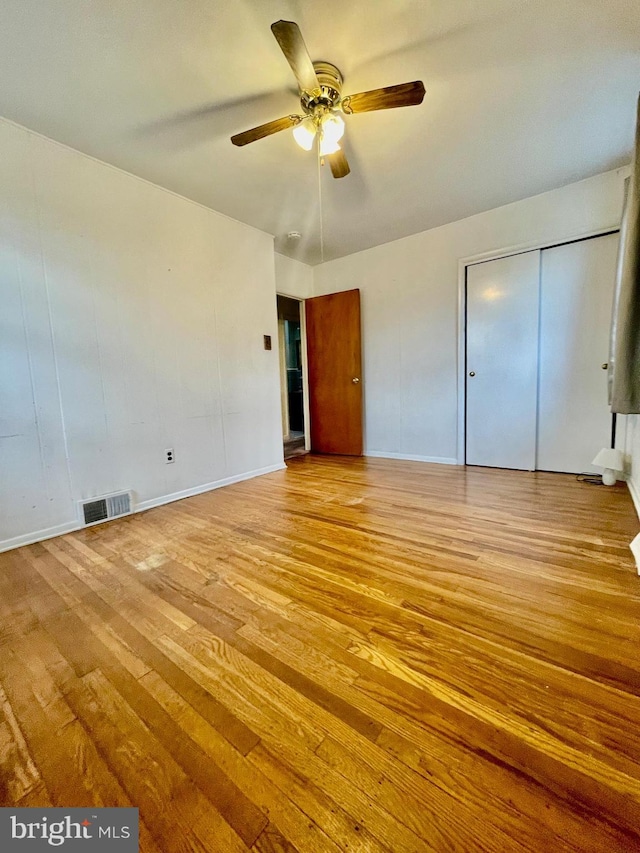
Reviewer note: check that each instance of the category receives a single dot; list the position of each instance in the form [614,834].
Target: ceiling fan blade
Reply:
[265,130]
[339,165]
[292,44]
[402,95]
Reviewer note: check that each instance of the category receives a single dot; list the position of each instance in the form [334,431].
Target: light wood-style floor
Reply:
[352,655]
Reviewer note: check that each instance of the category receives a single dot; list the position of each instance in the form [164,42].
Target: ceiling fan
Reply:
[320,88]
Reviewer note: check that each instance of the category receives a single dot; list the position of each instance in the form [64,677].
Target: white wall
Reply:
[410,308]
[293,278]
[632,451]
[131,321]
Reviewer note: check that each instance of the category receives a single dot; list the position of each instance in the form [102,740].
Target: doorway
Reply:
[334,349]
[292,401]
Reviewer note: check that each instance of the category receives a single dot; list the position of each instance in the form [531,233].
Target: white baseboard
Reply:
[408,457]
[38,536]
[70,527]
[208,487]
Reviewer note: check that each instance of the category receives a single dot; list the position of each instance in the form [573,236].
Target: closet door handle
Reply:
[472,373]
[605,365]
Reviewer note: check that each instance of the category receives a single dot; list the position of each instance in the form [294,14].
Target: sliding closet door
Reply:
[576,292]
[502,361]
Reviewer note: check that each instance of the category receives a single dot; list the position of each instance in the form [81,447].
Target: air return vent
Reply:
[102,509]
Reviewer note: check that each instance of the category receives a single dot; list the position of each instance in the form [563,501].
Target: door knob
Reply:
[355,380]
[605,365]
[472,373]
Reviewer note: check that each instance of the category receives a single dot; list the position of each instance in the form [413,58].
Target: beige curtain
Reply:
[624,357]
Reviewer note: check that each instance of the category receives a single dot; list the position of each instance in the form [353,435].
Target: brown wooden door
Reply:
[335,364]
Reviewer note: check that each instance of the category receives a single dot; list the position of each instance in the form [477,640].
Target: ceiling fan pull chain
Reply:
[320,165]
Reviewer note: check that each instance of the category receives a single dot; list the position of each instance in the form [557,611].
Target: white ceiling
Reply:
[522,96]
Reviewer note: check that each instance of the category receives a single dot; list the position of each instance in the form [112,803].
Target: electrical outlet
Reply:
[169,455]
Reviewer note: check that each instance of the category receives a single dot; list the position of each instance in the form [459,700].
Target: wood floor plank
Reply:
[19,775]
[285,816]
[352,654]
[271,841]
[141,655]
[440,766]
[238,811]
[443,753]
[220,625]
[469,663]
[183,819]
[70,766]
[514,797]
[317,803]
[614,739]
[257,697]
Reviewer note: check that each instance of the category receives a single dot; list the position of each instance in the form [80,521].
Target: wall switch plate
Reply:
[169,455]
[267,341]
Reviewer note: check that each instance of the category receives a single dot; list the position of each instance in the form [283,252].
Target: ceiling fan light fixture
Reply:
[305,133]
[320,91]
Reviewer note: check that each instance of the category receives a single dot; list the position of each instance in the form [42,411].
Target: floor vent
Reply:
[102,509]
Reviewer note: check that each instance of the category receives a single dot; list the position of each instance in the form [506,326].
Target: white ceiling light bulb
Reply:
[304,133]
[333,126]
[328,147]
[332,129]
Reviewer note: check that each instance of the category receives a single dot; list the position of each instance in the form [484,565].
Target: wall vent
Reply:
[102,509]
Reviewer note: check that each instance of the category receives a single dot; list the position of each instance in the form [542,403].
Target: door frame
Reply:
[305,366]
[492,255]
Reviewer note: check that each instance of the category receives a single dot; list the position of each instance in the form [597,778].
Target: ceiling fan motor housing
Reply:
[330,80]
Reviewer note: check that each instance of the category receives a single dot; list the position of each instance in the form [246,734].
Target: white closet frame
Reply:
[493,255]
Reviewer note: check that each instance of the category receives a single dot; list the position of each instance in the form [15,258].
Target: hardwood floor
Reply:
[350,655]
